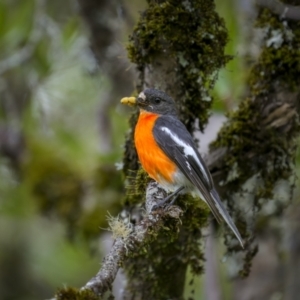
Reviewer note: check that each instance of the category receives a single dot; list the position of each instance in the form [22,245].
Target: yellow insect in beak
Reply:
[129,100]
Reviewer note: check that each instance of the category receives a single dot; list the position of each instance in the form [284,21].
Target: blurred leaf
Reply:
[3,20]
[70,31]
[42,62]
[19,23]
[15,197]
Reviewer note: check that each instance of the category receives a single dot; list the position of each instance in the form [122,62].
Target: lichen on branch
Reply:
[128,246]
[260,137]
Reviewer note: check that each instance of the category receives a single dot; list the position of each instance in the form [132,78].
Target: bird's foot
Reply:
[164,202]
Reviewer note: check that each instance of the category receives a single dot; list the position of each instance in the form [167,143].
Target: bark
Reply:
[127,242]
[284,10]
[167,56]
[291,266]
[258,182]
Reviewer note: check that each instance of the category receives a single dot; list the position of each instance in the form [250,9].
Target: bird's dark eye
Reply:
[157,100]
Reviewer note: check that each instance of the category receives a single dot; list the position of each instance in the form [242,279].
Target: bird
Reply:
[168,153]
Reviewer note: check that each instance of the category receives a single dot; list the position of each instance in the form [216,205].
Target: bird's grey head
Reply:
[156,101]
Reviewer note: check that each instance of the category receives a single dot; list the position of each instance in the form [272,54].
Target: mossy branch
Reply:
[284,10]
[253,157]
[178,47]
[126,244]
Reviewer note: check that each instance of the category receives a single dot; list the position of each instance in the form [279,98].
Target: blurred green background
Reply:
[61,138]
[56,185]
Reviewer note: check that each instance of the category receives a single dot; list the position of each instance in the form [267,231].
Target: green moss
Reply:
[255,143]
[74,294]
[137,185]
[168,253]
[147,262]
[247,131]
[194,36]
[280,58]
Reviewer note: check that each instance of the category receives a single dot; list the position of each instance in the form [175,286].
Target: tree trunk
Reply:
[177,50]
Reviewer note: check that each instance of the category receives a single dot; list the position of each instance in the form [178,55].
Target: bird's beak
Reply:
[129,100]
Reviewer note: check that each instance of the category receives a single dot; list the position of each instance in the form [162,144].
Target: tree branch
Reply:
[253,157]
[153,222]
[283,10]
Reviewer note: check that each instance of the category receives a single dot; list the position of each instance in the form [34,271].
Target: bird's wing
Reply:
[174,139]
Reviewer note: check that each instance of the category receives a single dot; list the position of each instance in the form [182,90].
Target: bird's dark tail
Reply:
[219,211]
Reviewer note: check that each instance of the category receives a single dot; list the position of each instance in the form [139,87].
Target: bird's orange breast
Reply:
[154,161]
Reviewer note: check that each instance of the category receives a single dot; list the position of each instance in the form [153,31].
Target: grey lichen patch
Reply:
[261,135]
[281,55]
[191,34]
[119,227]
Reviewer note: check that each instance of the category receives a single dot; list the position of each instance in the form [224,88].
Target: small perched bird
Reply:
[169,155]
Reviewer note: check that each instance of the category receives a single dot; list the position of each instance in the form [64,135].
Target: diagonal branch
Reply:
[124,247]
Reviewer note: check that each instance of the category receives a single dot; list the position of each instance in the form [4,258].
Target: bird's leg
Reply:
[174,194]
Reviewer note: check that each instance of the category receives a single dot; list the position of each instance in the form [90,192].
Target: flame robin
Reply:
[169,155]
